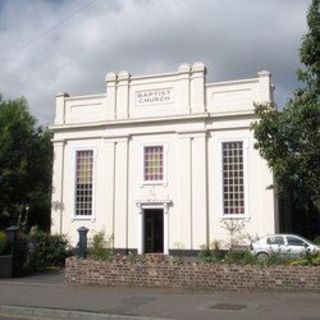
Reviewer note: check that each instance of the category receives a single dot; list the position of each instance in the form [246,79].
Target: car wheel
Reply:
[262,256]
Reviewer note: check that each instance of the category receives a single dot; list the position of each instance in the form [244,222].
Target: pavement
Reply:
[45,296]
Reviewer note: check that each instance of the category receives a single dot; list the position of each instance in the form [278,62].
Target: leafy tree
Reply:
[290,139]
[25,166]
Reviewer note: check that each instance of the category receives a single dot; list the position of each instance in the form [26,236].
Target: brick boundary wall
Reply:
[190,275]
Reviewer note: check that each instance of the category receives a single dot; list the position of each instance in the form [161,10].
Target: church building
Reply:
[163,163]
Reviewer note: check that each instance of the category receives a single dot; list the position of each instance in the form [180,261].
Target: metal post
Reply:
[82,244]
[12,236]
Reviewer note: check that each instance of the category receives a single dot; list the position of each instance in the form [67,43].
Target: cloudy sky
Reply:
[51,46]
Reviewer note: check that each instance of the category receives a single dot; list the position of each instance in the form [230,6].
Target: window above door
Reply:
[154,164]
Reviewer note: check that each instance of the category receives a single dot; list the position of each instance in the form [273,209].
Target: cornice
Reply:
[231,82]
[124,122]
[154,120]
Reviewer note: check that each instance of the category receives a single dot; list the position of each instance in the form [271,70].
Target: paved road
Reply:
[49,292]
[11,318]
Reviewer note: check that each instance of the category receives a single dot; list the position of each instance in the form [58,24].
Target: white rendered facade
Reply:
[186,123]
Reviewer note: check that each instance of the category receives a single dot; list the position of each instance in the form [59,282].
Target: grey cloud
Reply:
[234,38]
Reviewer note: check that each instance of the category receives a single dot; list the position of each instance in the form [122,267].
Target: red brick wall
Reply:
[190,275]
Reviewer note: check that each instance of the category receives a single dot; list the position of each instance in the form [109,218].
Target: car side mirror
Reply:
[306,245]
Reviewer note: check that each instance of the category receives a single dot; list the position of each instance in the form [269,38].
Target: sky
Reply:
[52,46]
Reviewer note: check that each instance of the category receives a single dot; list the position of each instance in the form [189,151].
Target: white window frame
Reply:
[164,180]
[245,215]
[91,217]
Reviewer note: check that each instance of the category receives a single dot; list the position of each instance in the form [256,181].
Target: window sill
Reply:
[80,218]
[154,183]
[235,217]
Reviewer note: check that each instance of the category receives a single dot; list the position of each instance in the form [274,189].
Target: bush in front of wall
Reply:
[212,253]
[309,259]
[46,250]
[241,257]
[275,259]
[206,254]
[102,247]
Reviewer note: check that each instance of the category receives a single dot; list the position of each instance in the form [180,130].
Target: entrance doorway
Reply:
[153,230]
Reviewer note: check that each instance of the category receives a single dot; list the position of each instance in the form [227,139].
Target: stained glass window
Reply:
[84,167]
[233,180]
[153,163]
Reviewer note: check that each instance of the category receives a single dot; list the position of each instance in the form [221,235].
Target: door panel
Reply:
[153,231]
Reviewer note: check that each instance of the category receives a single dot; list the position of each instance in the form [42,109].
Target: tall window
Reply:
[153,163]
[84,166]
[233,181]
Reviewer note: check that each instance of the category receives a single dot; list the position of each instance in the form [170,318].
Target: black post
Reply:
[82,244]
[12,236]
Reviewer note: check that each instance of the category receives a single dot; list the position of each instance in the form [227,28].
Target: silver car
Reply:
[285,244]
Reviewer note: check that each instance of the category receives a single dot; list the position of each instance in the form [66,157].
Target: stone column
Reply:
[122,103]
[57,208]
[121,193]
[166,228]
[265,90]
[185,224]
[140,229]
[60,108]
[111,79]
[198,81]
[200,217]
[184,86]
[110,169]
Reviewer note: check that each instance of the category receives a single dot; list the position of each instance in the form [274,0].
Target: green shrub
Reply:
[46,250]
[205,254]
[299,262]
[316,260]
[275,259]
[241,257]
[3,242]
[102,246]
[212,254]
[309,259]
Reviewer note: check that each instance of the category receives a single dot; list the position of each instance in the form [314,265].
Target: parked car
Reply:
[285,244]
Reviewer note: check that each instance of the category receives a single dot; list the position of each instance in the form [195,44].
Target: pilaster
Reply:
[198,79]
[57,201]
[185,230]
[110,150]
[60,108]
[122,101]
[121,193]
[265,88]
[200,216]
[111,79]
[184,86]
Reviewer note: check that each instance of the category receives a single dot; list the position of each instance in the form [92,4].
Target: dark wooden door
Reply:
[153,231]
